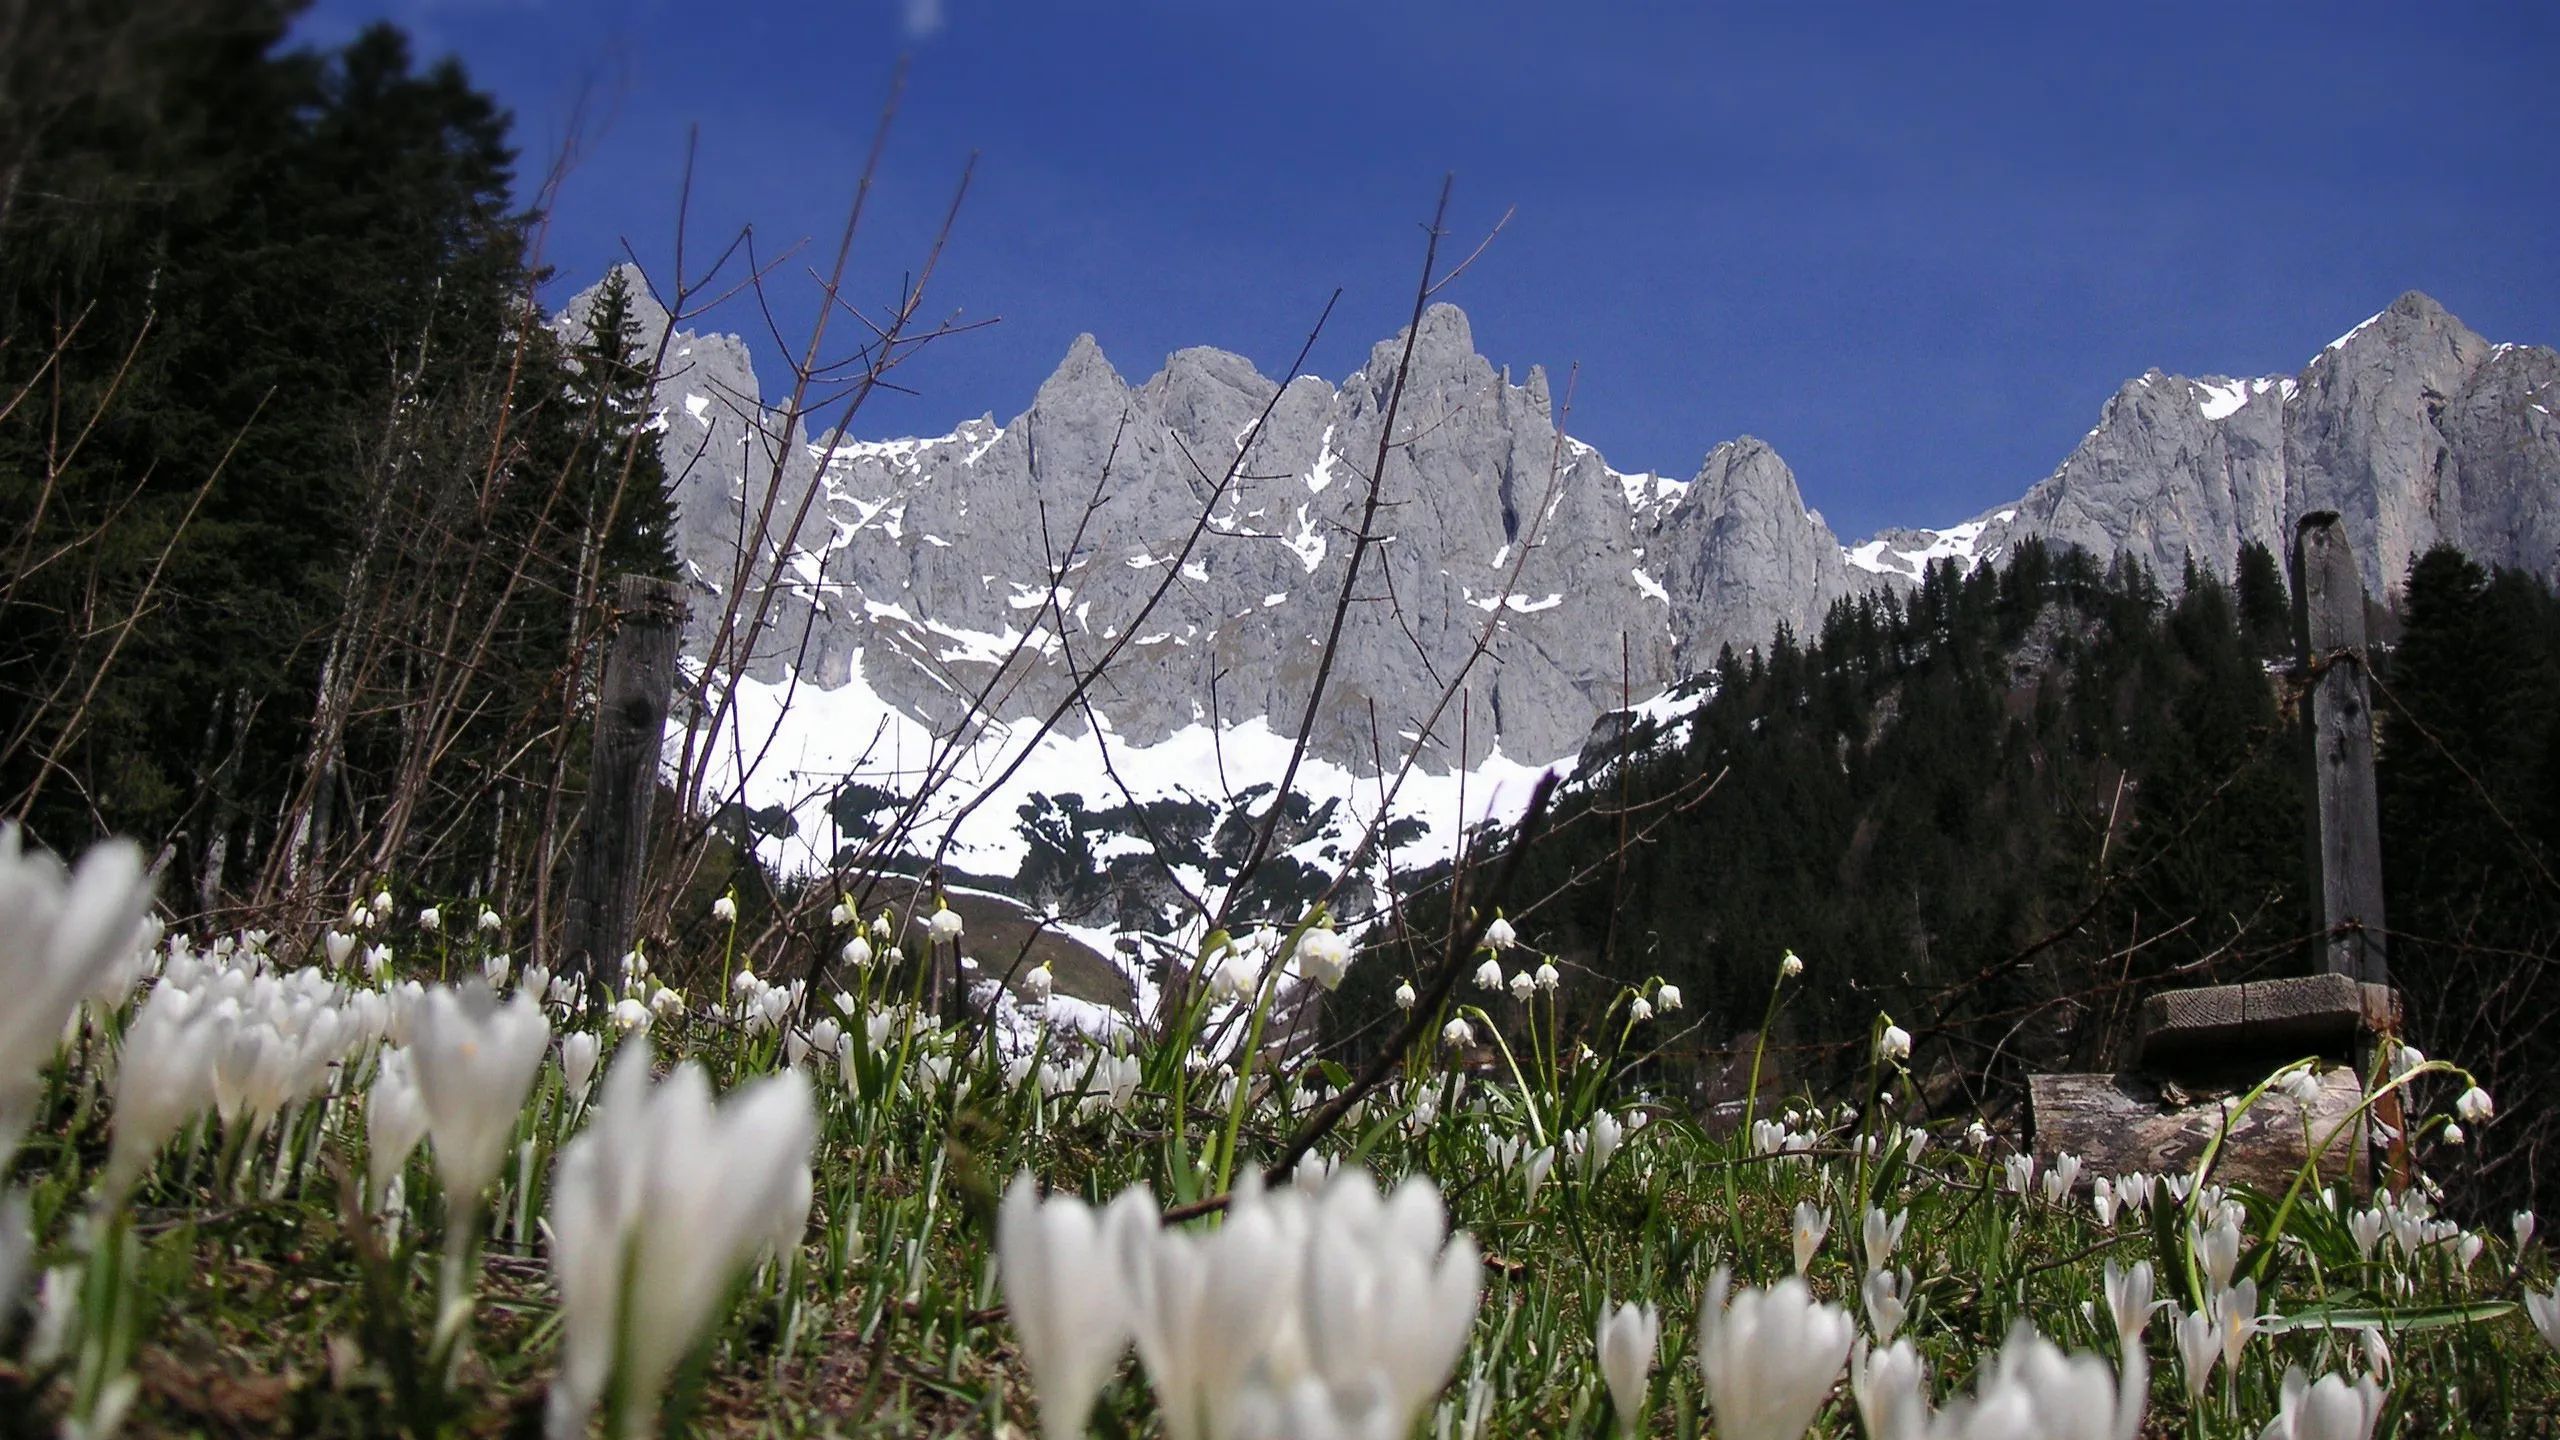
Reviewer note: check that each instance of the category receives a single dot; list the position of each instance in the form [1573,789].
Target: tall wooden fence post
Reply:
[631,724]
[2337,722]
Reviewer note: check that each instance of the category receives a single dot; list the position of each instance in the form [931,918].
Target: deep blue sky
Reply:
[1914,247]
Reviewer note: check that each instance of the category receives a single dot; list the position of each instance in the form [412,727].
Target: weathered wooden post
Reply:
[2337,724]
[631,723]
[2199,1047]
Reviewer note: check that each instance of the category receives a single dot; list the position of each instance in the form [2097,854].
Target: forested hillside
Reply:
[2004,806]
[270,376]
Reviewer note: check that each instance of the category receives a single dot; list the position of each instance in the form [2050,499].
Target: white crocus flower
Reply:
[1627,1338]
[2129,1301]
[1067,1292]
[578,1055]
[475,1057]
[63,935]
[164,1078]
[2523,1226]
[2199,1343]
[1385,1306]
[1204,1307]
[2330,1409]
[654,1208]
[395,1121]
[2235,1314]
[2218,1251]
[1881,1235]
[339,946]
[2543,1306]
[1886,1303]
[1769,1356]
[1889,1385]
[2033,1389]
[1812,1224]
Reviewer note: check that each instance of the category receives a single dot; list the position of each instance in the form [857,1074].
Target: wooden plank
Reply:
[622,783]
[2119,1123]
[2337,727]
[2263,1022]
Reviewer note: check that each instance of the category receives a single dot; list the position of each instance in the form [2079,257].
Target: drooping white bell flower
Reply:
[2475,1106]
[1550,978]
[856,952]
[1769,1356]
[1036,984]
[1893,1045]
[945,926]
[725,909]
[1789,967]
[1458,1033]
[431,919]
[1640,1010]
[1626,1341]
[1523,985]
[475,1058]
[1068,1293]
[1489,975]
[1499,935]
[1324,956]
[1666,998]
[490,923]
[1405,996]
[653,1209]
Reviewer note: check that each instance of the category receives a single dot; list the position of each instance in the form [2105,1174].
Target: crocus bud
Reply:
[1626,1341]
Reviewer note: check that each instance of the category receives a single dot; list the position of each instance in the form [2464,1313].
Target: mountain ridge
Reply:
[1005,558]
